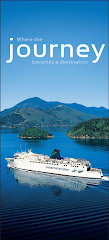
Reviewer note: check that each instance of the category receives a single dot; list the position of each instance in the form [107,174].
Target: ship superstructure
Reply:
[54,164]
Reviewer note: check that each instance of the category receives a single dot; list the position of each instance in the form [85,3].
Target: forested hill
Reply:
[32,117]
[41,104]
[35,133]
[94,128]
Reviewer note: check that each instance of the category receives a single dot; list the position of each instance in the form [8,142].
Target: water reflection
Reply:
[56,183]
[98,144]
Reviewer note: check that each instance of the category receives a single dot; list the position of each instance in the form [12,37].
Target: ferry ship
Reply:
[54,164]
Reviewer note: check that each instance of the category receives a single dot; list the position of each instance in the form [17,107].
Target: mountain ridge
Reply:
[38,103]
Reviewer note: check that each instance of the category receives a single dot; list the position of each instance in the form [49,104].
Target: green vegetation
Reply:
[94,128]
[33,117]
[12,119]
[35,133]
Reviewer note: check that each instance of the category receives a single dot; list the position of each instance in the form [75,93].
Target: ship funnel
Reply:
[56,154]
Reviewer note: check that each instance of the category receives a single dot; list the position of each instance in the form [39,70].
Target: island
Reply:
[94,128]
[35,133]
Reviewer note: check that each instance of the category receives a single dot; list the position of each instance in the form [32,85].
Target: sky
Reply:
[60,22]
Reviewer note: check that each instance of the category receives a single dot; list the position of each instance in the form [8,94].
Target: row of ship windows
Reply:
[75,166]
[57,164]
[46,163]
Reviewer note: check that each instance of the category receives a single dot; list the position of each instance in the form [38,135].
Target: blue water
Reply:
[44,206]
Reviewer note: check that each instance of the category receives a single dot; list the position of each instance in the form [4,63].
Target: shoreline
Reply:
[87,137]
[47,137]
[40,126]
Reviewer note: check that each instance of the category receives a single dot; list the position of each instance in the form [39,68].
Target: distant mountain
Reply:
[57,116]
[41,104]
[94,128]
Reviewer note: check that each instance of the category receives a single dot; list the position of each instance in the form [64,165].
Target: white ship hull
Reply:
[54,169]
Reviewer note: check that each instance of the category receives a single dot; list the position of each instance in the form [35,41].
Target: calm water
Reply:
[40,206]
